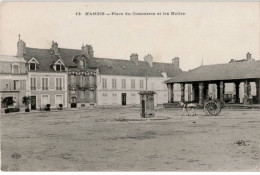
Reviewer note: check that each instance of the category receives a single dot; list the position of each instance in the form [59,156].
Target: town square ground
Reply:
[117,139]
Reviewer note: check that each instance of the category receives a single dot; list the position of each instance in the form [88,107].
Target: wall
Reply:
[110,96]
[51,92]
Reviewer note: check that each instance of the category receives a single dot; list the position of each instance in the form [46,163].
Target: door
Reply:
[123,99]
[73,102]
[143,108]
[33,102]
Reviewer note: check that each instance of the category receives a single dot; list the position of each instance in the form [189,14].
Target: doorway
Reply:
[123,99]
[73,102]
[33,102]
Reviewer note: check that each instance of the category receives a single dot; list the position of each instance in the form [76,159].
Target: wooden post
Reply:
[237,83]
[189,92]
[218,90]
[193,92]
[258,90]
[182,92]
[201,95]
[221,86]
[206,90]
[246,92]
[170,92]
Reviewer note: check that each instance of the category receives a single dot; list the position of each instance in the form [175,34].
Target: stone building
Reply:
[77,79]
[13,80]
[104,81]
[242,77]
[47,76]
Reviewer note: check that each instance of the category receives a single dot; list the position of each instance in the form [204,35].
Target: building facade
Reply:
[233,82]
[47,76]
[13,80]
[77,79]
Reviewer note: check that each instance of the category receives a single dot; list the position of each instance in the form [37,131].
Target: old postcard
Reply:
[130,86]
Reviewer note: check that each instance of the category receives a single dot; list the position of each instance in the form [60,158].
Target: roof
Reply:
[45,57]
[106,66]
[11,59]
[230,71]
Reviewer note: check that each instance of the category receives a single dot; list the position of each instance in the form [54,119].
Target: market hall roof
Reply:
[107,66]
[248,69]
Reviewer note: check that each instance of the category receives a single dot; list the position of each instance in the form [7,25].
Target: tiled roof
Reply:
[105,65]
[44,56]
[13,59]
[231,71]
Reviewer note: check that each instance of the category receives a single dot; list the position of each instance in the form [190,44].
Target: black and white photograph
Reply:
[130,86]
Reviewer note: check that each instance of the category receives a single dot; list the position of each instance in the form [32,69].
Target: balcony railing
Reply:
[33,88]
[45,88]
[58,88]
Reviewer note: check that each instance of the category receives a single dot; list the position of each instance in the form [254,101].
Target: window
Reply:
[58,67]
[15,69]
[104,83]
[123,83]
[141,84]
[45,100]
[16,85]
[82,94]
[82,64]
[133,84]
[45,85]
[72,79]
[133,94]
[33,83]
[58,100]
[32,66]
[58,83]
[23,84]
[104,94]
[114,95]
[114,83]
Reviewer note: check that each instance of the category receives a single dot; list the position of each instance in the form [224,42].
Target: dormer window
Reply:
[15,69]
[82,64]
[59,65]
[32,64]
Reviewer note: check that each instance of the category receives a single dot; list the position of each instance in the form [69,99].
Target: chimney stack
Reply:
[176,61]
[87,50]
[149,59]
[248,56]
[20,48]
[55,48]
[134,58]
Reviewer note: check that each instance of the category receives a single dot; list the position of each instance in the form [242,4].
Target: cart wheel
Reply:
[212,108]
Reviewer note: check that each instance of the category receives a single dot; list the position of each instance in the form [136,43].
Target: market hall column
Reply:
[246,85]
[170,92]
[201,94]
[218,90]
[237,83]
[257,91]
[222,91]
[182,92]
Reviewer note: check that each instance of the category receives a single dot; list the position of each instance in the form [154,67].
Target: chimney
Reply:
[91,51]
[87,50]
[134,58]
[20,48]
[149,59]
[55,48]
[176,61]
[248,56]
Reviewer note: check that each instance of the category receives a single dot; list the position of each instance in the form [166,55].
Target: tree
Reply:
[8,101]
[26,100]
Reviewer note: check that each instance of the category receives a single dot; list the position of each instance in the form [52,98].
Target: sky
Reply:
[214,32]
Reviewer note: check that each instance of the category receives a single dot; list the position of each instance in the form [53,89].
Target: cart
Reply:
[212,107]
